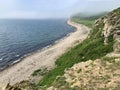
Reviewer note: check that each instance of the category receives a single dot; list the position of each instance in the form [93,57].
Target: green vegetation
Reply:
[40,72]
[35,73]
[87,20]
[88,23]
[90,49]
[117,11]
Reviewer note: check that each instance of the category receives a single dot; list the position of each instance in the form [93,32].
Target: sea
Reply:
[20,37]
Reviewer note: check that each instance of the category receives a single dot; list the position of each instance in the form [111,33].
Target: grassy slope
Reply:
[86,22]
[91,48]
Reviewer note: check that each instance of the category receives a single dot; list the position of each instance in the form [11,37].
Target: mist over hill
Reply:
[89,15]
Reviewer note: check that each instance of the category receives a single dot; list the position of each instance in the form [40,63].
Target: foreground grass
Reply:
[90,49]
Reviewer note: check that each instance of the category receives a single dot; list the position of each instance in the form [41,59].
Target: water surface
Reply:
[20,37]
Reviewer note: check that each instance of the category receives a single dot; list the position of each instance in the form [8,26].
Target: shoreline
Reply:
[36,51]
[44,57]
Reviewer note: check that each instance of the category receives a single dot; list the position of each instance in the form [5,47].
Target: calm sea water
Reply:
[20,37]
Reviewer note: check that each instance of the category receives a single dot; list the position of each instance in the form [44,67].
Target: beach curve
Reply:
[23,70]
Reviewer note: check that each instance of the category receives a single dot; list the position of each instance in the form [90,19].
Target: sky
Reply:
[53,8]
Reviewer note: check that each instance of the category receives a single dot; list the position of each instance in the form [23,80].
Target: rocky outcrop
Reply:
[23,85]
[101,74]
[117,41]
[110,26]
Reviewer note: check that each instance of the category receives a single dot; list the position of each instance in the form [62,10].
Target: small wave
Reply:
[46,47]
[1,59]
[16,61]
[17,55]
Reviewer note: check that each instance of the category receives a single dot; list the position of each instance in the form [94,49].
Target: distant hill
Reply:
[89,16]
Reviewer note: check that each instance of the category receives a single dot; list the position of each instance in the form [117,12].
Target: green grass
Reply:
[91,49]
[86,22]
[40,72]
[117,11]
[35,73]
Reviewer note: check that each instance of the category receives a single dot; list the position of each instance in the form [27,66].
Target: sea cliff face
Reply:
[110,26]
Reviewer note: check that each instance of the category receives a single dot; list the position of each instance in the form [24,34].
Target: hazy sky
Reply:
[52,8]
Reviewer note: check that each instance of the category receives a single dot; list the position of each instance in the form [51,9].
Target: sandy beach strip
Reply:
[23,70]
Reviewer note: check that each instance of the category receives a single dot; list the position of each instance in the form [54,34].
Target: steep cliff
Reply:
[110,26]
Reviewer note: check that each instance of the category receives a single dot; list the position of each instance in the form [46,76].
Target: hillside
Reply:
[93,64]
[98,72]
